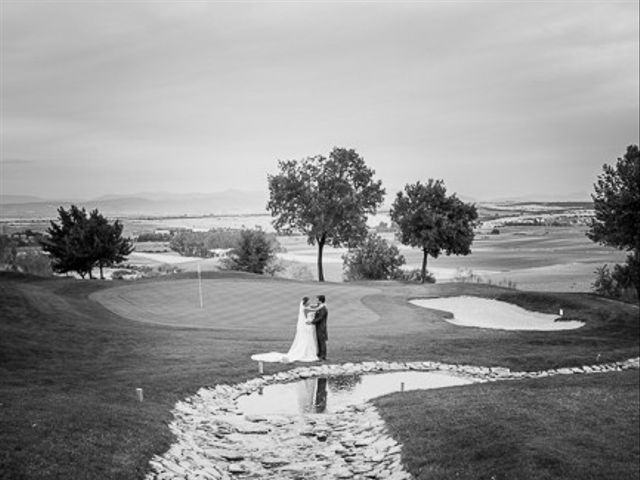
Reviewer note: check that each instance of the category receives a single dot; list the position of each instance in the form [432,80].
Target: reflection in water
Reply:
[311,395]
[320,395]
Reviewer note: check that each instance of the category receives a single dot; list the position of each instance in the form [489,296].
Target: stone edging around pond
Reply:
[216,441]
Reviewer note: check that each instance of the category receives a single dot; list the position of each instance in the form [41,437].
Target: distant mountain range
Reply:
[143,204]
[216,203]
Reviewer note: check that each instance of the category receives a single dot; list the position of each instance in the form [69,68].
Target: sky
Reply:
[500,99]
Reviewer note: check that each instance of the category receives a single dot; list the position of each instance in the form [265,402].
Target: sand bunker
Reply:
[486,313]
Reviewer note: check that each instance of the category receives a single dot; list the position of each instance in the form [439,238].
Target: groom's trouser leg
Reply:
[322,348]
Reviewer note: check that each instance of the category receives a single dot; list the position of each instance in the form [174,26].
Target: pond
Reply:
[329,394]
[487,313]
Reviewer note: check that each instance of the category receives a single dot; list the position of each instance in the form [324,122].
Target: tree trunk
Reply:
[321,241]
[91,274]
[423,273]
[101,274]
[636,269]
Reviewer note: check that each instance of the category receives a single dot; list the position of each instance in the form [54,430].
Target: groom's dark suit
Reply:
[320,321]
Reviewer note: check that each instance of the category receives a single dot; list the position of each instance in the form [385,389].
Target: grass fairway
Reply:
[571,428]
[69,366]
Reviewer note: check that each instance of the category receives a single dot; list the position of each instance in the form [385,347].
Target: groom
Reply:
[320,321]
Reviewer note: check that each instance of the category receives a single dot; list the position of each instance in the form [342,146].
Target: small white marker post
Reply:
[260,367]
[139,394]
[561,312]
[402,386]
[200,287]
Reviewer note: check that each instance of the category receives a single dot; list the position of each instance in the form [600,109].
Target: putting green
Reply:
[234,303]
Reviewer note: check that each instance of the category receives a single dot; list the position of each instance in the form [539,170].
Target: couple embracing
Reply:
[310,341]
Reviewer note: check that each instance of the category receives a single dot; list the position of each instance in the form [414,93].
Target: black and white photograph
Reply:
[319,239]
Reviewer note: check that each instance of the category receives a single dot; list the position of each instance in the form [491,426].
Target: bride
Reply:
[305,345]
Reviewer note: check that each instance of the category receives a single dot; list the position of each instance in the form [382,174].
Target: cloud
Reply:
[224,90]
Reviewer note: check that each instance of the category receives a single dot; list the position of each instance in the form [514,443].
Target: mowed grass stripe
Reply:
[234,303]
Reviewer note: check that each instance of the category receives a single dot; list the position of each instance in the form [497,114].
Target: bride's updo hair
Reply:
[305,300]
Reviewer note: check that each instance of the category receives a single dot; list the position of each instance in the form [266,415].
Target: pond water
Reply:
[328,394]
[486,313]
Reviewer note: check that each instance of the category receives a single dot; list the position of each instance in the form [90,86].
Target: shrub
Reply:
[616,283]
[414,276]
[375,259]
[124,274]
[222,238]
[205,244]
[384,227]
[168,269]
[189,244]
[254,252]
[35,262]
[8,251]
[153,237]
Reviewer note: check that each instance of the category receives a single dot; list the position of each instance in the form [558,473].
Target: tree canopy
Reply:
[616,202]
[430,220]
[326,199]
[80,242]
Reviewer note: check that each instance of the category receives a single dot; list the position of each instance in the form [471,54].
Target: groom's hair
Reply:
[321,298]
[305,299]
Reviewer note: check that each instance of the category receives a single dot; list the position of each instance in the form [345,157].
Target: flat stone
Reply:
[253,430]
[274,462]
[231,456]
[361,468]
[343,474]
[236,468]
[362,443]
[255,418]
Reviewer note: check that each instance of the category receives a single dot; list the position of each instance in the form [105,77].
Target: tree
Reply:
[66,242]
[108,247]
[616,202]
[79,242]
[432,221]
[326,199]
[375,259]
[255,252]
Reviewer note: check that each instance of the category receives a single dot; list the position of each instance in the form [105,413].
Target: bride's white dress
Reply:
[304,347]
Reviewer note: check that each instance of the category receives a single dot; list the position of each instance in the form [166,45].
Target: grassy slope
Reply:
[573,428]
[69,366]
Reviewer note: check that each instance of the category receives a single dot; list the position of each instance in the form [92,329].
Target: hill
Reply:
[150,204]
